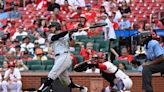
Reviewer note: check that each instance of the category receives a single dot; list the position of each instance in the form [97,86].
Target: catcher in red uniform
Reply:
[119,81]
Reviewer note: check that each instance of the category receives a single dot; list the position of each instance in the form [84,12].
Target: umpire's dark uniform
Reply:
[155,55]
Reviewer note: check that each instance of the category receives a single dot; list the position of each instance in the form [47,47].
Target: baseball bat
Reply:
[94,26]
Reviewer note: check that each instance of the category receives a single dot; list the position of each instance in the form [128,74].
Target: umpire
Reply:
[155,60]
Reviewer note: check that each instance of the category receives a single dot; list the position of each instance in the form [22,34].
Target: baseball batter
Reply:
[59,41]
[119,81]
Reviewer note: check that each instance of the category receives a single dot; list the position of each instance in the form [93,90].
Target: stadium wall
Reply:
[93,81]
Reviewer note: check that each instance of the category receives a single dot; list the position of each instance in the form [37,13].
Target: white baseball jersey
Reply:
[29,47]
[111,68]
[0,77]
[13,76]
[72,2]
[111,33]
[61,45]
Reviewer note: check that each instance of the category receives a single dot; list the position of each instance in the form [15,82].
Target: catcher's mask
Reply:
[56,25]
[145,38]
[101,55]
[98,56]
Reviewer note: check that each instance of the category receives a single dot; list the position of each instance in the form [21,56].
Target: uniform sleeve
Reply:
[158,50]
[0,77]
[67,37]
[49,37]
[57,36]
[6,74]
[102,67]
[18,74]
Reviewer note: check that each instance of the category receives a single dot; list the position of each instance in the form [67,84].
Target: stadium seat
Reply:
[97,37]
[2,58]
[32,38]
[79,58]
[24,62]
[85,41]
[75,52]
[33,62]
[81,37]
[104,45]
[96,47]
[19,38]
[37,68]
[116,62]
[129,67]
[77,48]
[47,62]
[116,42]
[49,67]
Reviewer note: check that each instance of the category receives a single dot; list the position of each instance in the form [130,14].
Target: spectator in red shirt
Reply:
[76,15]
[88,52]
[66,7]
[10,28]
[89,13]
[95,5]
[125,55]
[94,32]
[56,15]
[25,56]
[74,61]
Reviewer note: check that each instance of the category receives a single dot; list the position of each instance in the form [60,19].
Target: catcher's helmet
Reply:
[101,55]
[56,25]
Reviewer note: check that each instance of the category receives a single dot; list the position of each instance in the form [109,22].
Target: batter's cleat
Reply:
[43,88]
[84,89]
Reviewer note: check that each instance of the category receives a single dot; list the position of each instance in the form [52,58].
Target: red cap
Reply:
[11,64]
[100,55]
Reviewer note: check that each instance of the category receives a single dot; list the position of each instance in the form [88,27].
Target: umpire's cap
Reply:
[55,24]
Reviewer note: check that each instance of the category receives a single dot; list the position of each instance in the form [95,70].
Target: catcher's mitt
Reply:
[81,67]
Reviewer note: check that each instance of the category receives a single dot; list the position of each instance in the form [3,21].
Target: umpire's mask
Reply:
[145,38]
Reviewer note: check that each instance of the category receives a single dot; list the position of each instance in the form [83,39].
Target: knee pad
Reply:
[119,84]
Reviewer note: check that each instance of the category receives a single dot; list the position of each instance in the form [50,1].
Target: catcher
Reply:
[119,81]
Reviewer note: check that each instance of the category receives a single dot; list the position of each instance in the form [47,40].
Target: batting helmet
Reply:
[56,25]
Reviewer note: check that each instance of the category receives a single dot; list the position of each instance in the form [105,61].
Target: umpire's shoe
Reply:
[84,89]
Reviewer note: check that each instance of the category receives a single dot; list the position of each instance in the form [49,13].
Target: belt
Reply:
[116,71]
[60,53]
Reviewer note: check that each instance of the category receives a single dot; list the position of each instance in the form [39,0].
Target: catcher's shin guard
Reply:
[45,85]
[73,85]
[82,89]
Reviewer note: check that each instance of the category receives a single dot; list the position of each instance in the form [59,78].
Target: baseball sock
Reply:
[45,84]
